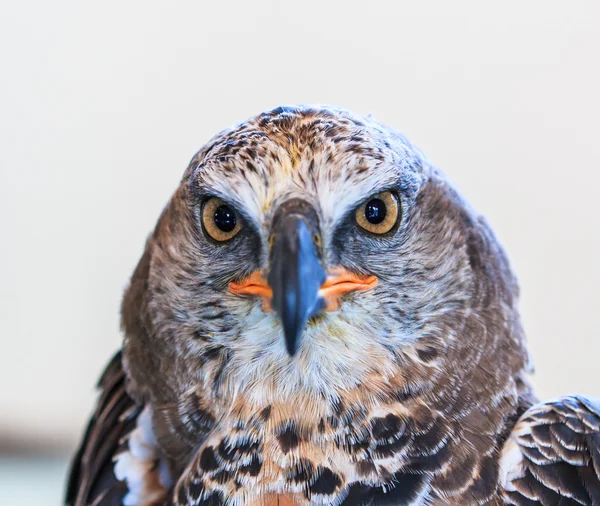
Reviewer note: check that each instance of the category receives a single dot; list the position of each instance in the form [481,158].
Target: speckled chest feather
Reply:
[397,438]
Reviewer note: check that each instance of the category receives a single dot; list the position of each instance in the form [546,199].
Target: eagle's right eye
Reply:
[220,220]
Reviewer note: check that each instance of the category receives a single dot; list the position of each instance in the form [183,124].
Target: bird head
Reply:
[311,249]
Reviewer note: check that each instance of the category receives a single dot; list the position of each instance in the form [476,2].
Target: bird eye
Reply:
[379,214]
[220,220]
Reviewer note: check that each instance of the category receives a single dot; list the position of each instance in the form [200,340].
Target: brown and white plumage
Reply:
[404,383]
[553,454]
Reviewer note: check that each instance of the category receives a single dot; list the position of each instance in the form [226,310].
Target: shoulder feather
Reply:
[553,455]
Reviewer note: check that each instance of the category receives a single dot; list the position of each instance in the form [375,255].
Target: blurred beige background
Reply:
[102,104]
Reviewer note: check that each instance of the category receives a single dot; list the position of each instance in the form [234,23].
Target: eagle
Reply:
[319,318]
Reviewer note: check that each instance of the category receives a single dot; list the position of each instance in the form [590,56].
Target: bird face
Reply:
[298,222]
[306,249]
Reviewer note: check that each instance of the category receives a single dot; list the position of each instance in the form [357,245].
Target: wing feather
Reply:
[553,455]
[92,480]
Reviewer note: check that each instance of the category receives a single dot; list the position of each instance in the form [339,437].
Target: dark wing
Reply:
[553,455]
[92,480]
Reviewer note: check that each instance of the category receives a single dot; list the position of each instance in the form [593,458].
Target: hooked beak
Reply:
[295,277]
[297,287]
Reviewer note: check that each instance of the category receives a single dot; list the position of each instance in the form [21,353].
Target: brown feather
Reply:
[92,480]
[559,443]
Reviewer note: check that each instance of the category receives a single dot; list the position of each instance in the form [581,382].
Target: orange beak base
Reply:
[255,284]
[339,282]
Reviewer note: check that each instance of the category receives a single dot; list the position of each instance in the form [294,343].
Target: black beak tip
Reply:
[291,344]
[293,330]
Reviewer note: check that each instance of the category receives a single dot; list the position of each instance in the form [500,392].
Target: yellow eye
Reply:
[379,214]
[220,220]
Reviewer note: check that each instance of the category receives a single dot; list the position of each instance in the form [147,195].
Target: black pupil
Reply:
[225,218]
[375,211]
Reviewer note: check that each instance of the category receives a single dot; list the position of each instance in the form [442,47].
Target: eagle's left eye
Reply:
[220,220]
[379,214]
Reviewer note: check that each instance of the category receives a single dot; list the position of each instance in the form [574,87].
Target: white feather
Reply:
[137,466]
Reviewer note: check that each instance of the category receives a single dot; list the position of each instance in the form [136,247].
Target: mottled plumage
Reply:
[401,380]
